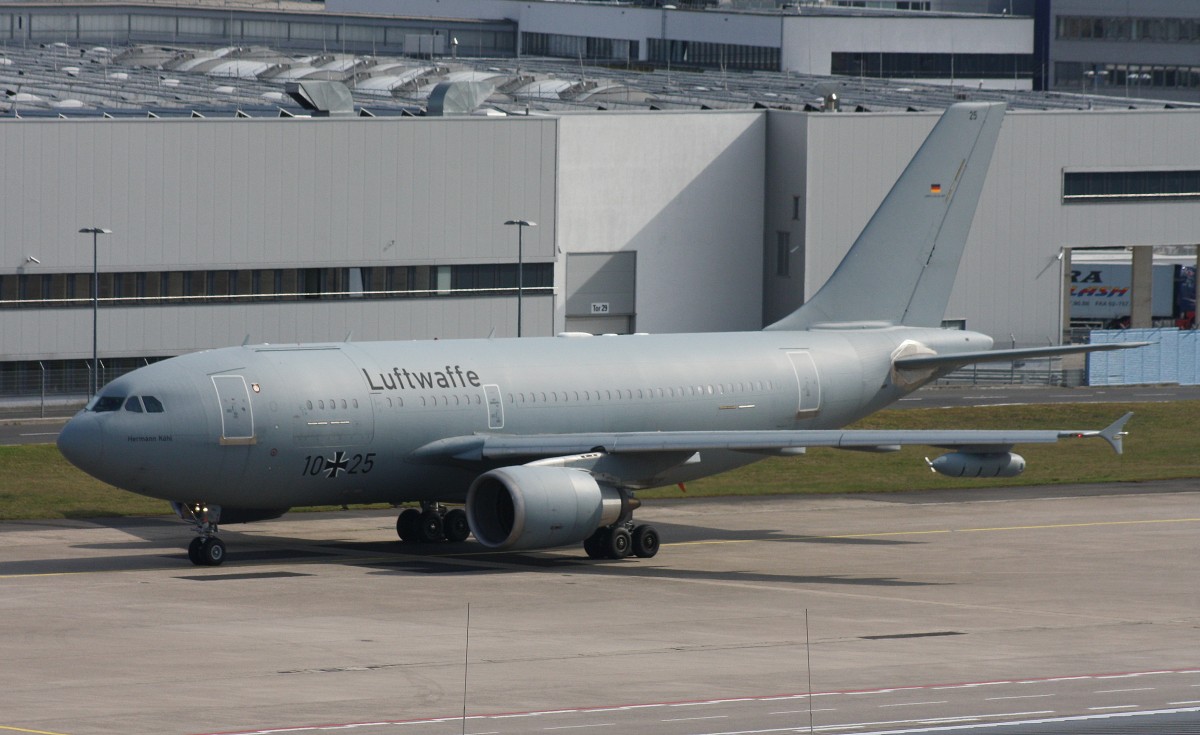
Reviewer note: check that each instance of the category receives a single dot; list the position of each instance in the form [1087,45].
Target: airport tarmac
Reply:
[912,610]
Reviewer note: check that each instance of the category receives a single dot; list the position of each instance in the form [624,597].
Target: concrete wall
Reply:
[808,42]
[787,179]
[685,191]
[1010,279]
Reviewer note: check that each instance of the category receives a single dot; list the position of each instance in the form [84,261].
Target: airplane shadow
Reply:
[162,546]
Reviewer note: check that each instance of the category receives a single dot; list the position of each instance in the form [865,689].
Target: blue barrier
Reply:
[1173,357]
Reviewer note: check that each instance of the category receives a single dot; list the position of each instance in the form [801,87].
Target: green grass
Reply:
[39,484]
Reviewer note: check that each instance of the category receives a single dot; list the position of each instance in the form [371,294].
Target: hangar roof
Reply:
[158,80]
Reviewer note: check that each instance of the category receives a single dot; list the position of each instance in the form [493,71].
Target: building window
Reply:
[931,65]
[45,290]
[1085,186]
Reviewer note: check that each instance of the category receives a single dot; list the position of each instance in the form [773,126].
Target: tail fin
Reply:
[907,256]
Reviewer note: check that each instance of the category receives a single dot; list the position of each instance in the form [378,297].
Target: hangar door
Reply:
[601,292]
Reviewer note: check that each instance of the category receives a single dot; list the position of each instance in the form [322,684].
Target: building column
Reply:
[1065,311]
[1142,280]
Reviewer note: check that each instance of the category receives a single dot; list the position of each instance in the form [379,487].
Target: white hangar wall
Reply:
[1010,281]
[248,194]
[682,190]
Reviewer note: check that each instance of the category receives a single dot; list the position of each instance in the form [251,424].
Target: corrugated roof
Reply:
[171,80]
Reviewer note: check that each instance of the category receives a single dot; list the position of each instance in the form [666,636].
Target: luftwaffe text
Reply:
[403,379]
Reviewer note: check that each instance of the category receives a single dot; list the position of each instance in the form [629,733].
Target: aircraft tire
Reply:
[212,552]
[645,541]
[596,545]
[406,524]
[620,544]
[430,528]
[455,526]
[194,551]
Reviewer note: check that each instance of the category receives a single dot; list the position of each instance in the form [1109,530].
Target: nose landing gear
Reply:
[206,550]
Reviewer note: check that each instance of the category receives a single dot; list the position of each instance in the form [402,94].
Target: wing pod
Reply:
[976,464]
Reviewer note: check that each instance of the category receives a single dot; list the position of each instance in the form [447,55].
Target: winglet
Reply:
[1115,433]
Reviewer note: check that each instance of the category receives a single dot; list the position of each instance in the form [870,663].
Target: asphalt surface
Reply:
[896,613]
[15,431]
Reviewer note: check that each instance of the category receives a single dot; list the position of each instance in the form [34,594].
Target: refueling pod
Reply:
[973,464]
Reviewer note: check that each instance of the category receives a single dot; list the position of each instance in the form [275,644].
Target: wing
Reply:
[491,448]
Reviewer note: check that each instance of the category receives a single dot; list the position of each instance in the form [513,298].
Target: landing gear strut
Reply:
[432,523]
[206,550]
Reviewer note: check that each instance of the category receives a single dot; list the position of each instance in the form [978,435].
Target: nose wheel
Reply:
[206,550]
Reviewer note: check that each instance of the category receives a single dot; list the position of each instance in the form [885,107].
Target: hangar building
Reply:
[288,230]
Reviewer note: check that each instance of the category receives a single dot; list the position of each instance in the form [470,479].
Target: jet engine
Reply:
[973,464]
[539,507]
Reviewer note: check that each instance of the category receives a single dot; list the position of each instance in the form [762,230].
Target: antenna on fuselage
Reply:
[349,335]
[246,341]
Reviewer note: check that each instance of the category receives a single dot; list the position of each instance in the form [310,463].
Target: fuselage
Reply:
[274,426]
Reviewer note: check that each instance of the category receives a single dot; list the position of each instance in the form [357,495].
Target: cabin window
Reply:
[104,404]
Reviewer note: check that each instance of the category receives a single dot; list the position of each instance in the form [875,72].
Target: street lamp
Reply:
[95,233]
[521,225]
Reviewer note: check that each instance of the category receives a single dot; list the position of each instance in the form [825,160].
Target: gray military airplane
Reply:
[546,441]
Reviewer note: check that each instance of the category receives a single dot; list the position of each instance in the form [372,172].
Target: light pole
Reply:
[521,225]
[95,233]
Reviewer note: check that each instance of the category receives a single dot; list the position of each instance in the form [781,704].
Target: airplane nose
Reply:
[82,442]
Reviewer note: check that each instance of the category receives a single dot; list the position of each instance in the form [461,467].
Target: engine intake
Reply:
[538,507]
[974,464]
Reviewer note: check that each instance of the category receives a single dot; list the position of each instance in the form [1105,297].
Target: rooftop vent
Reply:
[322,98]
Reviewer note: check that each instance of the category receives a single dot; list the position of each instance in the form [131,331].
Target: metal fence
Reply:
[55,389]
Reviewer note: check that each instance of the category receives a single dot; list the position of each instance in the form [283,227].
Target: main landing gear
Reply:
[623,540]
[206,550]
[432,523]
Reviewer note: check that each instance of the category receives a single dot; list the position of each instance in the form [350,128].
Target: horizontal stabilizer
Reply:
[958,359]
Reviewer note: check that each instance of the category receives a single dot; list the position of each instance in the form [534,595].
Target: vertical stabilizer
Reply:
[902,267]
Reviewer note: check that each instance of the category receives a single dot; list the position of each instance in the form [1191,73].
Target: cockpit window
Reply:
[134,404]
[153,405]
[108,403]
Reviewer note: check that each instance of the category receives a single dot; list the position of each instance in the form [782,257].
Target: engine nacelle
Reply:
[972,464]
[538,507]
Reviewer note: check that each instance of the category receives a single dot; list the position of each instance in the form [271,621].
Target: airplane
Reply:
[545,442]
